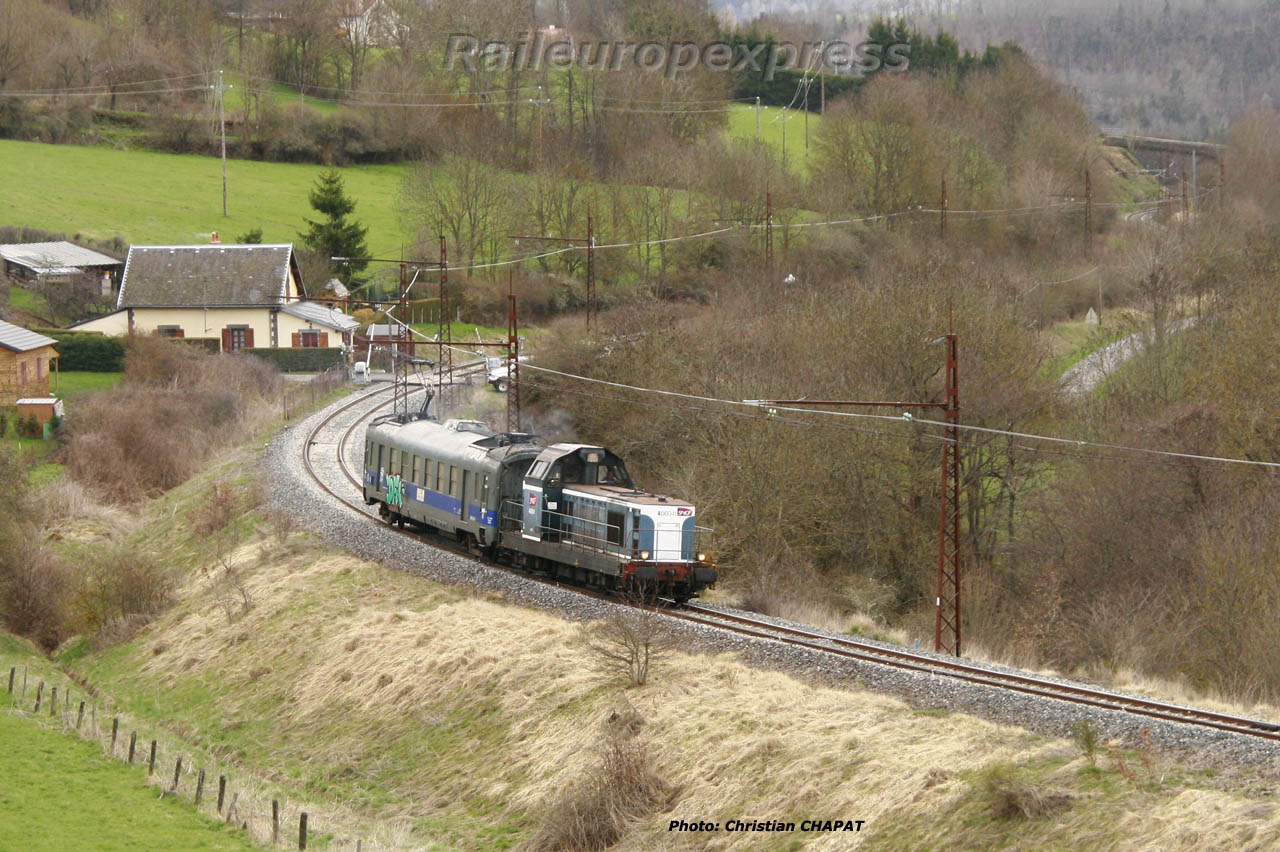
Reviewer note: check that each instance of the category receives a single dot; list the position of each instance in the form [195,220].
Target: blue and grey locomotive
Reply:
[567,510]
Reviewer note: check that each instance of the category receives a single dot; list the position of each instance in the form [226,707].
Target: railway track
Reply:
[337,429]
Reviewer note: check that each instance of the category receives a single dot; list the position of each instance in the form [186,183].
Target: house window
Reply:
[23,373]
[169,330]
[236,338]
[309,338]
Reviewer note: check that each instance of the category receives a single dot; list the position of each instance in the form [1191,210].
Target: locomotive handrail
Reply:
[595,543]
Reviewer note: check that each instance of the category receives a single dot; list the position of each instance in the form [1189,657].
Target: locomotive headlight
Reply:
[644,555]
[702,557]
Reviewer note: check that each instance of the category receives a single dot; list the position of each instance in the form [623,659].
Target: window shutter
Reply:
[181,333]
[248,338]
[297,339]
[324,340]
[226,340]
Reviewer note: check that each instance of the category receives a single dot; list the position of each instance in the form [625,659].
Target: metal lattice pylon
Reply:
[947,626]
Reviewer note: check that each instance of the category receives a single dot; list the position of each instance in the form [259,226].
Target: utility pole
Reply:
[806,115]
[593,305]
[1195,177]
[1222,182]
[757,122]
[946,637]
[768,232]
[444,333]
[222,127]
[1088,206]
[513,360]
[942,211]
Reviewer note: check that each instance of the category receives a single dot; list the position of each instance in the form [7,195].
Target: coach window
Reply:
[417,468]
[453,481]
[394,467]
[440,474]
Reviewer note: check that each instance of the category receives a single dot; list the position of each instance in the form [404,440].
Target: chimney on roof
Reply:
[213,238]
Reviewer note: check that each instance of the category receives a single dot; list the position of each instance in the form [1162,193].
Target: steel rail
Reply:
[977,674]
[831,645]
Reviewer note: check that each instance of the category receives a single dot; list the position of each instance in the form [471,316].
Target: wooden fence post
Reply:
[222,791]
[53,700]
[177,772]
[13,672]
[232,805]
[39,695]
[275,821]
[24,681]
[151,761]
[80,716]
[115,729]
[302,831]
[199,787]
[133,742]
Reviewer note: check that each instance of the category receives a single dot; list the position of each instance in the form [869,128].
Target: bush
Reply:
[300,360]
[591,815]
[118,590]
[32,580]
[174,407]
[87,351]
[1010,796]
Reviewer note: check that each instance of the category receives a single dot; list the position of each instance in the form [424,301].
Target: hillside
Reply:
[151,197]
[442,720]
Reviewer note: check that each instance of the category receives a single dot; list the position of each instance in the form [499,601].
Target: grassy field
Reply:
[59,793]
[149,197]
[777,126]
[74,383]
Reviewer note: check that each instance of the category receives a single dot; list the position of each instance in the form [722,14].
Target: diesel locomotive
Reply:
[569,511]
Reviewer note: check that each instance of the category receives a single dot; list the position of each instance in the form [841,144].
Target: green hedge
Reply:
[300,360]
[88,351]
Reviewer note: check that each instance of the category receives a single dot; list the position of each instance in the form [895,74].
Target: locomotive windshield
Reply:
[585,466]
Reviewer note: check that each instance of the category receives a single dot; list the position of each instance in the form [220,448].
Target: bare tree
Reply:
[629,640]
[464,199]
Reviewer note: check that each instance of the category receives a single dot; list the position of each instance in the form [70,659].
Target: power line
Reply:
[907,418]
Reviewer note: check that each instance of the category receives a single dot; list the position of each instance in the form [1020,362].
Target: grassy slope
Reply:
[58,792]
[149,197]
[463,717]
[742,125]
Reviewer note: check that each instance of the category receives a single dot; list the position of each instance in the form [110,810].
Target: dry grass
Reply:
[384,651]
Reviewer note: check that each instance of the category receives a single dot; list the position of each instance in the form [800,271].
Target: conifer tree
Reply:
[335,235]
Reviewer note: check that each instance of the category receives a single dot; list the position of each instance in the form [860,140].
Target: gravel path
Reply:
[1083,376]
[364,536]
